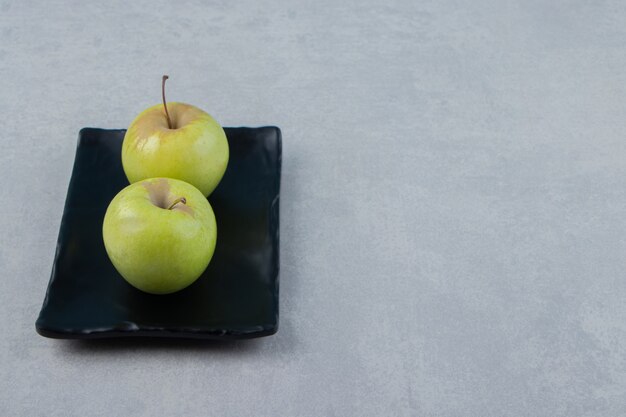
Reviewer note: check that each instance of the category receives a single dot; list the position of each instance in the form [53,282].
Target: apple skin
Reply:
[195,150]
[156,249]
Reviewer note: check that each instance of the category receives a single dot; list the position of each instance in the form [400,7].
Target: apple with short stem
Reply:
[176,140]
[160,234]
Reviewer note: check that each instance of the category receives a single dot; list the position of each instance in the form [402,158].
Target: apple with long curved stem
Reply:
[160,234]
[176,140]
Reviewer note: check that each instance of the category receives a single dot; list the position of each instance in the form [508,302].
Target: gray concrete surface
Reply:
[453,202]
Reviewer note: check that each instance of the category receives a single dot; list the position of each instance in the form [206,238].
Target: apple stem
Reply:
[178,200]
[169,121]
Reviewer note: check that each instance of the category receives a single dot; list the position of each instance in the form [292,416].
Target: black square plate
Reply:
[236,297]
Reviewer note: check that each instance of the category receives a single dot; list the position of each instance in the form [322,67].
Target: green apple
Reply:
[160,234]
[176,140]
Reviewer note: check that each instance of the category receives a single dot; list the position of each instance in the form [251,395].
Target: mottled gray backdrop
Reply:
[453,202]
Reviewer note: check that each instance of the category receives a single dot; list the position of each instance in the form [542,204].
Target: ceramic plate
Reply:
[236,297]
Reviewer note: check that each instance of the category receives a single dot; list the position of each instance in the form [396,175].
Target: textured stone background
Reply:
[453,202]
